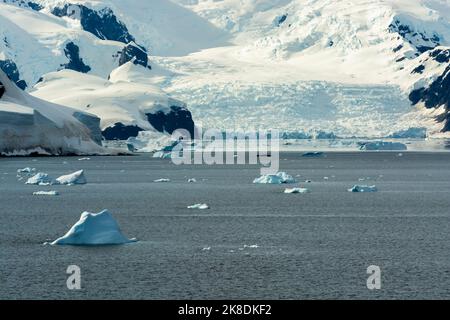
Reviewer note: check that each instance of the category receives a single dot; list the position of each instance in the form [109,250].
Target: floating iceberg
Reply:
[363,188]
[73,178]
[411,133]
[313,154]
[162,155]
[200,206]
[94,229]
[41,179]
[296,190]
[381,146]
[46,193]
[162,180]
[279,178]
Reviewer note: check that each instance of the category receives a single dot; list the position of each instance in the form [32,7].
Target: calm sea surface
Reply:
[262,243]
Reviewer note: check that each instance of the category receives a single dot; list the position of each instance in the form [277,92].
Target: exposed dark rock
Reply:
[441,55]
[72,52]
[396,49]
[10,68]
[2,90]
[103,23]
[436,95]
[119,131]
[280,20]
[419,69]
[25,4]
[133,51]
[415,38]
[177,118]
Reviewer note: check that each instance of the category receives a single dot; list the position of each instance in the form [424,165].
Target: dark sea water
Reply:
[315,245]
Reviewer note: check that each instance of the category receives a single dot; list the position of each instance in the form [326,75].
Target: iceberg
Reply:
[296,190]
[313,154]
[94,229]
[363,188]
[381,146]
[192,180]
[162,155]
[41,179]
[73,178]
[46,193]
[200,206]
[411,133]
[279,178]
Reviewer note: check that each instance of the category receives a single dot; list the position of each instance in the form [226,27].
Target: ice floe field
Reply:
[210,232]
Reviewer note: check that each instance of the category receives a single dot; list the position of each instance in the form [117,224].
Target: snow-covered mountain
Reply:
[89,38]
[350,67]
[308,67]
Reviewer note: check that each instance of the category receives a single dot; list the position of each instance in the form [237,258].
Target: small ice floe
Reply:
[313,155]
[326,178]
[199,206]
[363,188]
[192,180]
[73,178]
[94,229]
[162,155]
[308,181]
[162,180]
[41,179]
[296,190]
[381,146]
[279,178]
[84,159]
[206,249]
[26,170]
[400,155]
[252,246]
[46,193]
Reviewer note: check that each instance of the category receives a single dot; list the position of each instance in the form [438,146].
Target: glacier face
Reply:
[29,125]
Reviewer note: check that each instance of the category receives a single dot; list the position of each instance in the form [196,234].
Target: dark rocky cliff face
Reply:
[103,23]
[72,52]
[11,70]
[2,90]
[133,51]
[176,118]
[437,93]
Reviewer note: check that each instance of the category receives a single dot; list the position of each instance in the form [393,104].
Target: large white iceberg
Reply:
[279,178]
[94,229]
[382,146]
[73,178]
